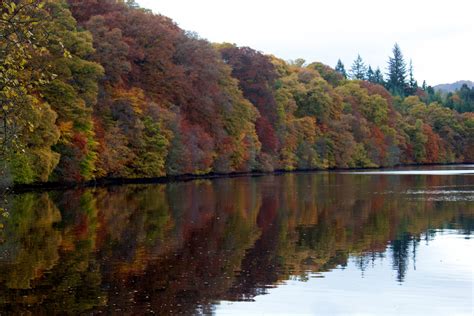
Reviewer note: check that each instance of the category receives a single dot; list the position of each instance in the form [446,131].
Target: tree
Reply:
[256,75]
[298,62]
[432,96]
[359,69]
[315,97]
[340,68]
[111,50]
[21,39]
[333,77]
[73,93]
[461,100]
[370,74]
[424,86]
[132,4]
[378,77]
[412,83]
[397,72]
[28,123]
[106,89]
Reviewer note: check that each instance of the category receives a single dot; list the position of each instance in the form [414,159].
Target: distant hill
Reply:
[451,87]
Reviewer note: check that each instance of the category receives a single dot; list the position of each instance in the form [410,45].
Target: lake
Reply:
[383,242]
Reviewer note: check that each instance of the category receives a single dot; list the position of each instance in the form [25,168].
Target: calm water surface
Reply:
[334,243]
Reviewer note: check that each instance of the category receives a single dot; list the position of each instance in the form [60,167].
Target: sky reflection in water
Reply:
[438,280]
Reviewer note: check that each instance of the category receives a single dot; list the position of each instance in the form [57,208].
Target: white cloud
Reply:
[437,35]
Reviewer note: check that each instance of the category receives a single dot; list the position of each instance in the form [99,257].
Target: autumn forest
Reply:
[105,89]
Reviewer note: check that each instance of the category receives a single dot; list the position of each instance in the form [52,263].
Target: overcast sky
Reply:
[437,35]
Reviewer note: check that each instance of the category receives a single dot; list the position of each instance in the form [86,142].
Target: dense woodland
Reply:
[102,88]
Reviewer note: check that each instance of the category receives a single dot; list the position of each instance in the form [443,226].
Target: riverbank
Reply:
[47,186]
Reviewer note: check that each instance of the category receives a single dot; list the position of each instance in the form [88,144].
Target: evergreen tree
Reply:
[449,101]
[424,85]
[378,77]
[466,99]
[359,69]
[341,69]
[430,91]
[412,83]
[433,96]
[132,4]
[370,74]
[397,72]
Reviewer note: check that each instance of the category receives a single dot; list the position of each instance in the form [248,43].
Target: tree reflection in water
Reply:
[182,247]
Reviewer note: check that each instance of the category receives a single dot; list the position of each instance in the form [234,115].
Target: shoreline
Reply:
[104,182]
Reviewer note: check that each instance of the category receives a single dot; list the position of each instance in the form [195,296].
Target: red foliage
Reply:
[373,89]
[432,144]
[408,155]
[79,141]
[379,139]
[267,135]
[83,10]
[199,147]
[420,93]
[71,169]
[256,75]
[175,69]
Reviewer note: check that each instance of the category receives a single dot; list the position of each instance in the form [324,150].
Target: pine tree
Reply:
[359,69]
[341,69]
[397,72]
[424,85]
[370,74]
[132,4]
[378,77]
[413,84]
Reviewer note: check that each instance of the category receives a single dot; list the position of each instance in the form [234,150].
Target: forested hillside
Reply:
[452,87]
[92,89]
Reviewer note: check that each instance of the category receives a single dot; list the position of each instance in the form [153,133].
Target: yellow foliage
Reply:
[66,129]
[135,96]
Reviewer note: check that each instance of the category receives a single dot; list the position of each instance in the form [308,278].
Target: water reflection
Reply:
[183,247]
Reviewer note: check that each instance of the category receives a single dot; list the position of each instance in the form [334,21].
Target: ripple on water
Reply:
[417,172]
